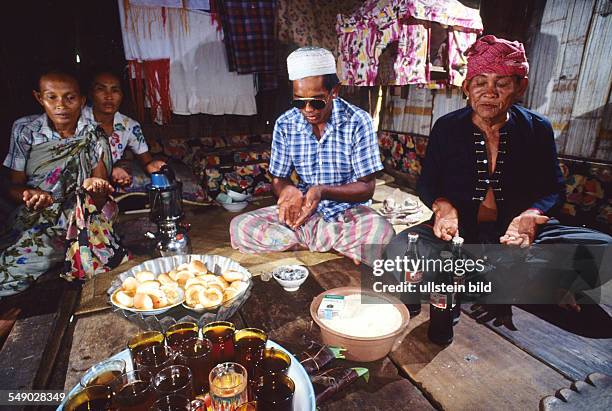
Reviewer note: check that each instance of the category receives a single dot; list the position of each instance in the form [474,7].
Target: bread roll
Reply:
[197,266]
[194,281]
[159,298]
[231,276]
[123,299]
[192,295]
[165,279]
[129,285]
[143,276]
[143,302]
[172,292]
[183,276]
[147,286]
[210,297]
[230,293]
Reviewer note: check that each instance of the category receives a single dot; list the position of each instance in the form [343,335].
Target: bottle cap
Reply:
[457,240]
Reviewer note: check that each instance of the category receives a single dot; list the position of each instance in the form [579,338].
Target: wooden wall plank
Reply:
[593,88]
[417,111]
[604,138]
[555,61]
[445,101]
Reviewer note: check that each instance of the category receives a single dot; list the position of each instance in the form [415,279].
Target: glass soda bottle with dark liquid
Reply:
[441,309]
[414,277]
[457,250]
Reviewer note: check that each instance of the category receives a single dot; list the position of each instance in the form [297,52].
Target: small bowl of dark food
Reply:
[290,277]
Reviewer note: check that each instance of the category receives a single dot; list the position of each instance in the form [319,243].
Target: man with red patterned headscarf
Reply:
[491,171]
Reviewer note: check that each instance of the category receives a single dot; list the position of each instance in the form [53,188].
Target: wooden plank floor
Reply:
[480,370]
[575,344]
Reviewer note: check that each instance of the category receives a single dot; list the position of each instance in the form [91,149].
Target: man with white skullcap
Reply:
[333,148]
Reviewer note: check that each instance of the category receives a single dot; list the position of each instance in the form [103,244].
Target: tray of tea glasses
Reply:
[303,398]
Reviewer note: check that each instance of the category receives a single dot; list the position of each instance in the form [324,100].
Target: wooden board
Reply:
[573,344]
[29,352]
[479,371]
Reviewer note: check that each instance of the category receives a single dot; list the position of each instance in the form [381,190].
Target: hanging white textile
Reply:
[200,80]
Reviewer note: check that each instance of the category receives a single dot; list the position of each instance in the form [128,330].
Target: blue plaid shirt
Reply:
[347,151]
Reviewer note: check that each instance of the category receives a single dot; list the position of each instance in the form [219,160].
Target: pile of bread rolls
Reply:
[201,288]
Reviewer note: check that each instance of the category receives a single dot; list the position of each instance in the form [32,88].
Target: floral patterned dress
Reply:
[72,228]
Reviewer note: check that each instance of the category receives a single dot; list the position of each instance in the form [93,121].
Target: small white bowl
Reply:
[238,197]
[235,207]
[290,285]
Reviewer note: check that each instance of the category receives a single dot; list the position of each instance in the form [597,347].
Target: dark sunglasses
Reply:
[315,103]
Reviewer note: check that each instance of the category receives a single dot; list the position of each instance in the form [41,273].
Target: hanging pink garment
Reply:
[364,35]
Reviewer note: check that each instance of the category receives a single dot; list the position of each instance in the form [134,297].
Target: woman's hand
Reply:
[522,229]
[446,223]
[36,199]
[97,185]
[121,177]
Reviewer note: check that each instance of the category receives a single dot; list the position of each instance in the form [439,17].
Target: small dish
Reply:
[238,197]
[290,277]
[235,207]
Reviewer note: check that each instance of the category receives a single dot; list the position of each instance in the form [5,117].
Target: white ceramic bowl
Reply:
[290,285]
[235,207]
[237,197]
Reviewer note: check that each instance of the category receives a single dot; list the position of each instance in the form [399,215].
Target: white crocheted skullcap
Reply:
[310,61]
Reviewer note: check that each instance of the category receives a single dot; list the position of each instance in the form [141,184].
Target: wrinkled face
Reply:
[491,95]
[106,94]
[312,87]
[61,98]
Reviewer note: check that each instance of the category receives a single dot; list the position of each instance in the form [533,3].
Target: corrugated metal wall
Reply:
[570,81]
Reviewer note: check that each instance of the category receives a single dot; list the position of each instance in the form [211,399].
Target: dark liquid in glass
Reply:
[137,396]
[105,378]
[177,384]
[274,365]
[199,360]
[249,353]
[97,404]
[175,338]
[274,397]
[141,345]
[222,339]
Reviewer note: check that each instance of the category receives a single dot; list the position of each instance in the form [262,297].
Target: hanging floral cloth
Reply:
[365,34]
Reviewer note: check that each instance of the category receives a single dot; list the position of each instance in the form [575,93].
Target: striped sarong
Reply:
[356,229]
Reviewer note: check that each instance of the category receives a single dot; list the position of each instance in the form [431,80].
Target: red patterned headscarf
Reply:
[492,55]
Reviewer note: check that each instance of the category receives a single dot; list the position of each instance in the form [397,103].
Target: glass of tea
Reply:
[248,406]
[221,335]
[196,353]
[174,380]
[228,386]
[133,392]
[180,332]
[275,362]
[275,393]
[250,344]
[153,359]
[93,397]
[172,403]
[103,373]
[143,340]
